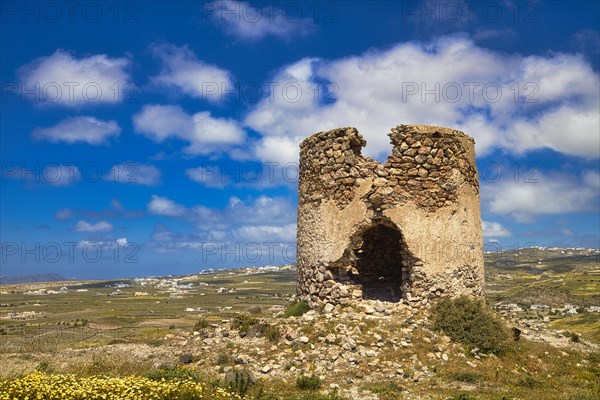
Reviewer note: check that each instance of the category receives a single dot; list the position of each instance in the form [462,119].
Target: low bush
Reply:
[467,377]
[254,310]
[171,372]
[252,327]
[240,382]
[201,325]
[470,322]
[529,382]
[386,390]
[308,382]
[272,333]
[243,322]
[224,359]
[574,337]
[296,309]
[44,367]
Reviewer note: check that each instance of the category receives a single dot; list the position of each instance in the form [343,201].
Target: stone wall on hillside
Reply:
[408,229]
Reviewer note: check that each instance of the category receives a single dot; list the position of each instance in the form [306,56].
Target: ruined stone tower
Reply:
[408,229]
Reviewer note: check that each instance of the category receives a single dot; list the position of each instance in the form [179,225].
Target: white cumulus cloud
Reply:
[249,21]
[106,244]
[207,176]
[181,69]
[203,132]
[66,80]
[64,213]
[165,206]
[494,229]
[543,194]
[284,233]
[134,173]
[79,129]
[84,226]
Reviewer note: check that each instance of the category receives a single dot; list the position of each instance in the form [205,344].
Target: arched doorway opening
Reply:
[379,254]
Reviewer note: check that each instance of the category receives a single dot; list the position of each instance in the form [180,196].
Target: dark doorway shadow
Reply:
[379,263]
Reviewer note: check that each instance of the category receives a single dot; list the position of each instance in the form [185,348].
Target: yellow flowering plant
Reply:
[42,386]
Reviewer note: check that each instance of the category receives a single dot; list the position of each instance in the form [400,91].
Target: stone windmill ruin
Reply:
[405,230]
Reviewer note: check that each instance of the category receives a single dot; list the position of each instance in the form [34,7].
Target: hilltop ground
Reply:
[233,320]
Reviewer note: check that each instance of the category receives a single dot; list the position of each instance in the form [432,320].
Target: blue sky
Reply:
[154,137]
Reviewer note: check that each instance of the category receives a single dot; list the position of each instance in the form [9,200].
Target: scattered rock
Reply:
[303,339]
[266,369]
[369,310]
[186,358]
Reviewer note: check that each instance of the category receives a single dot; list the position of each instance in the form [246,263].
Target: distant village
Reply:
[176,286]
[564,310]
[494,247]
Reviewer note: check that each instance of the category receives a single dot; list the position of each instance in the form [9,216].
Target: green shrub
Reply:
[470,322]
[386,390]
[45,367]
[170,372]
[240,382]
[468,377]
[266,330]
[224,359]
[574,337]
[254,310]
[243,322]
[529,382]
[201,325]
[296,309]
[272,333]
[154,342]
[308,382]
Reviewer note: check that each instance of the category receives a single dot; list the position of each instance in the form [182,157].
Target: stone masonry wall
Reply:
[406,229]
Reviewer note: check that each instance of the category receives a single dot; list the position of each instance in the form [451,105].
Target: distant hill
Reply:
[14,279]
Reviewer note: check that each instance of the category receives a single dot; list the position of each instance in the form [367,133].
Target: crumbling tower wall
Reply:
[406,230]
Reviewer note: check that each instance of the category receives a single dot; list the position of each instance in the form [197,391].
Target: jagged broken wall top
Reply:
[421,169]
